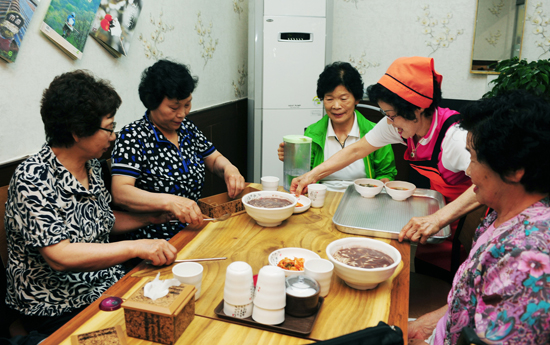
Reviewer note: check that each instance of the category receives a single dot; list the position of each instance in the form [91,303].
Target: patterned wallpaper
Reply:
[376,32]
[211,37]
[538,27]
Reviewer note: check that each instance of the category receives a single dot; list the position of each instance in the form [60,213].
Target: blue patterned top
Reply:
[144,153]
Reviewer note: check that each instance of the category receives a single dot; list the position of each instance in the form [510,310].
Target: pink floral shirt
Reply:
[502,290]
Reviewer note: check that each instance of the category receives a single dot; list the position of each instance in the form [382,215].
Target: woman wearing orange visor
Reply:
[408,95]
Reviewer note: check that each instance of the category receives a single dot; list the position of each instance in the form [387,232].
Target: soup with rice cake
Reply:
[362,257]
[270,202]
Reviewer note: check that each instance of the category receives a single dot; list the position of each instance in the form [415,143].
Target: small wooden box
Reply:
[220,204]
[162,320]
[108,336]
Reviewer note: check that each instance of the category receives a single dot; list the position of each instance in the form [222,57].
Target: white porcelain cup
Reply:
[270,290]
[320,270]
[270,183]
[268,316]
[189,273]
[238,311]
[316,193]
[239,284]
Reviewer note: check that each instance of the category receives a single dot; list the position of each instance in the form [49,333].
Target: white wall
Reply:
[372,33]
[39,61]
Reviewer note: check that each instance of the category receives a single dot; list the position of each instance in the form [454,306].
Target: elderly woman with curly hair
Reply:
[159,160]
[502,290]
[58,219]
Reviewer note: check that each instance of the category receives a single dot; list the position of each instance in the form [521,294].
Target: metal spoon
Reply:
[219,219]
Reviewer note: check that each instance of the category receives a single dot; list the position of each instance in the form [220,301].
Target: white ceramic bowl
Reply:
[368,192]
[269,217]
[400,195]
[305,201]
[363,278]
[291,253]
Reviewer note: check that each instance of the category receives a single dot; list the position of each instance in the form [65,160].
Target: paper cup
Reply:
[238,311]
[270,183]
[189,273]
[239,285]
[267,316]
[320,270]
[270,290]
[317,192]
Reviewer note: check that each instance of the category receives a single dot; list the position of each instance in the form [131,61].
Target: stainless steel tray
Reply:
[382,216]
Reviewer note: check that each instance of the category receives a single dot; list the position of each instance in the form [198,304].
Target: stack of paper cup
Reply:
[238,292]
[270,296]
[316,193]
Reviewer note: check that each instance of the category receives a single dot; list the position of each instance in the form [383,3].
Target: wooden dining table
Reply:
[240,238]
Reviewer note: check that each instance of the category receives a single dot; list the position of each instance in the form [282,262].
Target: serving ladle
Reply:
[218,219]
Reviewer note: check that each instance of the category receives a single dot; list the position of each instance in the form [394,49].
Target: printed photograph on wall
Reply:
[115,23]
[15,17]
[68,22]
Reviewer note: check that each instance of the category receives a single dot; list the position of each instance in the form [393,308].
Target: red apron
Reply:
[439,255]
[429,168]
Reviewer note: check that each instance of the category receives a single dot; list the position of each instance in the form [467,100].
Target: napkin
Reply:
[158,288]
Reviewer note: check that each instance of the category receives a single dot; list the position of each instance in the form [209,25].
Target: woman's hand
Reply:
[385,180]
[223,168]
[160,217]
[281,151]
[185,210]
[419,229]
[424,326]
[419,329]
[300,183]
[233,180]
[159,252]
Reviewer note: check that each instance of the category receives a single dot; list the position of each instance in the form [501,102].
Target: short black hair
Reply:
[340,73]
[165,79]
[509,132]
[75,103]
[377,92]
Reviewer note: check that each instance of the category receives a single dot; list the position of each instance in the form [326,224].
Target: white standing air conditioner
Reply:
[289,46]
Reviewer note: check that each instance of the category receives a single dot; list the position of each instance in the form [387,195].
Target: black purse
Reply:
[381,334]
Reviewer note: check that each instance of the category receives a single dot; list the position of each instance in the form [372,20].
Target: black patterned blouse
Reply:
[45,206]
[144,153]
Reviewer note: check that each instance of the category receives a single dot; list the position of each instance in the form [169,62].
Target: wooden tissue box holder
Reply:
[162,320]
[217,205]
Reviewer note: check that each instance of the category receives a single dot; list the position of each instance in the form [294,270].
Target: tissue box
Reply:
[220,204]
[162,320]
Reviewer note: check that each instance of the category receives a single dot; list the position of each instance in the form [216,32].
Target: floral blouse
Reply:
[45,206]
[502,290]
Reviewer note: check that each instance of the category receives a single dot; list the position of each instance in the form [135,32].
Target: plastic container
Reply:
[297,158]
[302,296]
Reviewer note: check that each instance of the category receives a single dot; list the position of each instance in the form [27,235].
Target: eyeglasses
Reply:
[391,118]
[111,130]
